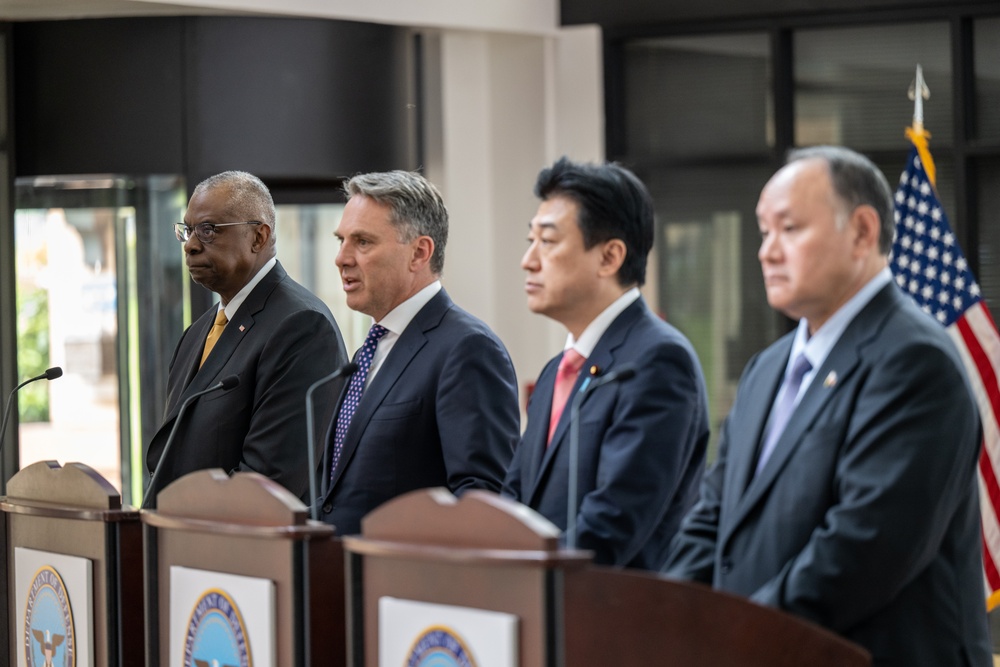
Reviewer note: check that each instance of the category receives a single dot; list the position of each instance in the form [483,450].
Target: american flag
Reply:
[930,267]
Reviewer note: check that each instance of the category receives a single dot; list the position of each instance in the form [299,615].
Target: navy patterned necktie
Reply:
[354,391]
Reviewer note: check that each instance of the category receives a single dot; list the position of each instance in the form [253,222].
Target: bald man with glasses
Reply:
[268,330]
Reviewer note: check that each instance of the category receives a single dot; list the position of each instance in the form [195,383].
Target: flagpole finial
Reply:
[918,92]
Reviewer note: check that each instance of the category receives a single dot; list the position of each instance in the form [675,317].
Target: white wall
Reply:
[508,106]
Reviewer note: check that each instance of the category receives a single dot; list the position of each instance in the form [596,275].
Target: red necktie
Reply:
[569,368]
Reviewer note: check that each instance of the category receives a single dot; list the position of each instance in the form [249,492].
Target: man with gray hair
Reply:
[845,487]
[269,331]
[434,399]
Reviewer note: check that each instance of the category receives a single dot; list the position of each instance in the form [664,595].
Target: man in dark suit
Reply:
[271,332]
[845,488]
[642,441]
[434,399]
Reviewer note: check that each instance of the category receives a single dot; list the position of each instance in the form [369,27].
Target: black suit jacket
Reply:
[442,411]
[642,444]
[281,339]
[865,519]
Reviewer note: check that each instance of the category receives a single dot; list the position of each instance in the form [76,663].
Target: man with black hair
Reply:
[642,441]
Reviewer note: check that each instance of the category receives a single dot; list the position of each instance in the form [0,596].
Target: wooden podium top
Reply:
[246,503]
[73,491]
[480,526]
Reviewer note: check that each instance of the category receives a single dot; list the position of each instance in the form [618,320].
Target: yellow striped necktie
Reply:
[213,335]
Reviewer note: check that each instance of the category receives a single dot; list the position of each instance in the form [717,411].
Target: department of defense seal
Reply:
[216,635]
[439,646]
[48,622]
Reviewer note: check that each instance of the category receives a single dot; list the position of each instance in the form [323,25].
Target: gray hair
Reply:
[856,182]
[415,205]
[249,198]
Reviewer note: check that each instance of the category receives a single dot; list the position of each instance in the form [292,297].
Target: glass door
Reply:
[101,294]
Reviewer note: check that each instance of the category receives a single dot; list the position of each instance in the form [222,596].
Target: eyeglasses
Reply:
[205,231]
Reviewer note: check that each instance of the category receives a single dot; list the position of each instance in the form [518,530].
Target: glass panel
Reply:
[710,281]
[307,249]
[90,251]
[987,71]
[989,234]
[67,317]
[681,95]
[851,84]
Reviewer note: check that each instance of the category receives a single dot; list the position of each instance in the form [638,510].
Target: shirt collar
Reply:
[400,317]
[818,346]
[592,334]
[241,296]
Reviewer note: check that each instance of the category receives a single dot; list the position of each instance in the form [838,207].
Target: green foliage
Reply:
[33,351]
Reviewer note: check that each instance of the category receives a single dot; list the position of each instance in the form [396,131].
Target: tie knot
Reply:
[220,319]
[376,332]
[800,368]
[571,362]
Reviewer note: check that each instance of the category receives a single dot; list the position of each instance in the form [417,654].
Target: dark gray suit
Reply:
[441,411]
[866,517]
[281,339]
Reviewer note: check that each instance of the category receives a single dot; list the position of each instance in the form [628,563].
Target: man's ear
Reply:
[423,249]
[261,236]
[612,257]
[866,227]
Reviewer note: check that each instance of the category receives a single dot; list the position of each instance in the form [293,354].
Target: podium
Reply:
[427,556]
[73,562]
[236,571]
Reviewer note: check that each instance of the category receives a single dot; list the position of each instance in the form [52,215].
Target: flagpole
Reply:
[916,133]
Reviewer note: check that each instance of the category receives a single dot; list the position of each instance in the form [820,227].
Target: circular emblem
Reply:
[439,646]
[48,622]
[216,635]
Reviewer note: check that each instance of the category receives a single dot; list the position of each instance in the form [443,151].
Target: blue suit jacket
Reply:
[642,444]
[442,411]
[865,519]
[281,340]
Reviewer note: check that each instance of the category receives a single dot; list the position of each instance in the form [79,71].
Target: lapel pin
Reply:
[595,371]
[831,379]
[242,328]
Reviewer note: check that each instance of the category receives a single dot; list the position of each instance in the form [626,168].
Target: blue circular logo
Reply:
[216,635]
[439,646]
[48,622]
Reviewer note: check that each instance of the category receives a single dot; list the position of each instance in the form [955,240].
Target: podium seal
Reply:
[216,634]
[439,646]
[48,622]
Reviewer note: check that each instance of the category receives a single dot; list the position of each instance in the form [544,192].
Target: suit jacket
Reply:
[442,411]
[642,444]
[281,339]
[865,519]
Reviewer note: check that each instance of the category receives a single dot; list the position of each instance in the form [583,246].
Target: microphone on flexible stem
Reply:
[49,374]
[589,384]
[226,383]
[343,371]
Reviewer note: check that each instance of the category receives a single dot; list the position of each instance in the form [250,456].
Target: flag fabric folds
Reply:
[929,266]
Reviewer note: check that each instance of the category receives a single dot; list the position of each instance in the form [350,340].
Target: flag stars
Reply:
[923,208]
[961,264]
[956,303]
[932,253]
[920,228]
[946,258]
[936,233]
[913,287]
[930,273]
[941,316]
[949,238]
[901,281]
[925,188]
[936,214]
[974,289]
[927,292]
[909,222]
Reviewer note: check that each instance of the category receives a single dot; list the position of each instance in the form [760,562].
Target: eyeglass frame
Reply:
[184,232]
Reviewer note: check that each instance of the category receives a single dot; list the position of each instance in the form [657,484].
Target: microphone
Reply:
[226,383]
[343,371]
[589,384]
[49,374]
